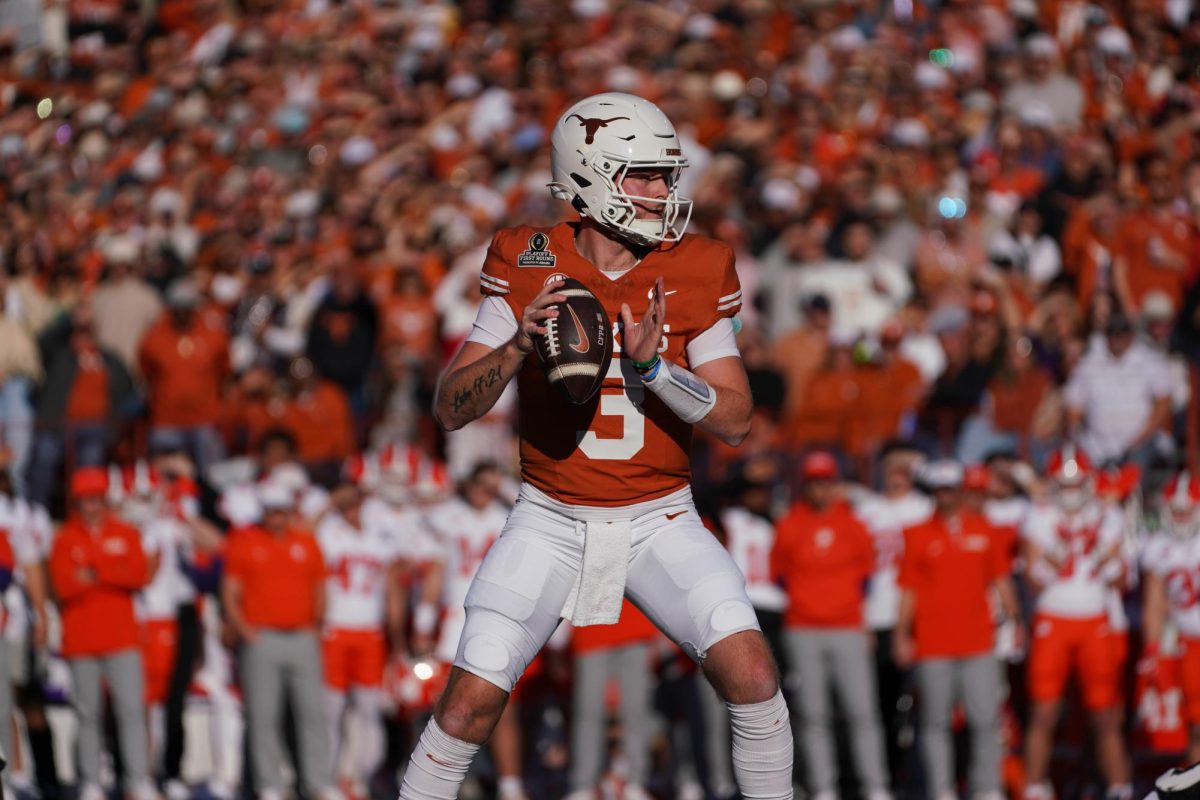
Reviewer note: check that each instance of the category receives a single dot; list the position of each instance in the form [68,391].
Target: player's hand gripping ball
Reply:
[577,347]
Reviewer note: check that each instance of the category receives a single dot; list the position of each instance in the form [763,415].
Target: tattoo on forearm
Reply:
[466,396]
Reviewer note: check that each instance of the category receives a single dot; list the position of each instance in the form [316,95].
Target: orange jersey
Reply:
[624,445]
[280,577]
[95,575]
[950,566]
[824,558]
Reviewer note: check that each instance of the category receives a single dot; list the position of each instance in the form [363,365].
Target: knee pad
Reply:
[720,607]
[494,647]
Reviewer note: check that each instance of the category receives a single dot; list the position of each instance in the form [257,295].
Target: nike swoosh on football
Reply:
[676,514]
[581,344]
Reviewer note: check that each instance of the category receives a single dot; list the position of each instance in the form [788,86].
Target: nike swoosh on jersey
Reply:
[676,514]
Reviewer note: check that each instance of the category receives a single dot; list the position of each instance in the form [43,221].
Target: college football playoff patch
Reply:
[538,254]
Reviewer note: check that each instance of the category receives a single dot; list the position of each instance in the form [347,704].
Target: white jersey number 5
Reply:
[627,406]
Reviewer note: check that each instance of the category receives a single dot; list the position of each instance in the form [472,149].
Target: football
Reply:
[577,346]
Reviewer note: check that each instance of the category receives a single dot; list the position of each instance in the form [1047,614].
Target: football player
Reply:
[1074,545]
[31,533]
[605,509]
[462,530]
[897,506]
[749,533]
[364,590]
[1171,570]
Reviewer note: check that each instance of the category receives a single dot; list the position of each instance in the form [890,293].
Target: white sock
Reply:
[335,708]
[437,766]
[371,742]
[156,731]
[762,749]
[510,786]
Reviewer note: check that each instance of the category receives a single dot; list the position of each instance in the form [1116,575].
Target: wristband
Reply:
[645,366]
[681,391]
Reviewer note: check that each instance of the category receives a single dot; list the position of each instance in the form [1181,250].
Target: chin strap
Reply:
[681,391]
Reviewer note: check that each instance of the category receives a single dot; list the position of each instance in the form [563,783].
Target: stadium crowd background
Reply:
[222,221]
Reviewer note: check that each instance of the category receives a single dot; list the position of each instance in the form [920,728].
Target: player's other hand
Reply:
[639,340]
[535,314]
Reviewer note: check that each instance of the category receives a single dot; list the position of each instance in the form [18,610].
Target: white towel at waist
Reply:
[607,533]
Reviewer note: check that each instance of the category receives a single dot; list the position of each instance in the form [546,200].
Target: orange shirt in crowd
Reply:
[826,410]
[823,558]
[97,610]
[184,371]
[949,566]
[280,577]
[248,418]
[320,420]
[1088,254]
[885,394]
[88,400]
[632,628]
[1017,398]
[1145,241]
[798,356]
[410,322]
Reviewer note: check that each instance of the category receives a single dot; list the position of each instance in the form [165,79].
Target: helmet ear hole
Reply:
[581,181]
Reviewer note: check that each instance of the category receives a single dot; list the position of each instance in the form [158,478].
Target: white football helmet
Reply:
[596,143]
[1071,475]
[1181,496]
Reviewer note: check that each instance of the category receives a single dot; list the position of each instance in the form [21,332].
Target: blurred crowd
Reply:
[239,239]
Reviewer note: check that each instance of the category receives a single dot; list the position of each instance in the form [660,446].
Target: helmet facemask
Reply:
[619,213]
[1072,495]
[1181,521]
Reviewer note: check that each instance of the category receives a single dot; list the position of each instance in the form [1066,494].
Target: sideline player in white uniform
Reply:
[395,481]
[364,600]
[1074,545]
[605,509]
[462,530]
[897,506]
[24,635]
[1171,571]
[749,538]
[157,606]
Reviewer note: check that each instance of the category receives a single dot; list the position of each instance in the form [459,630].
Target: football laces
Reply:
[552,347]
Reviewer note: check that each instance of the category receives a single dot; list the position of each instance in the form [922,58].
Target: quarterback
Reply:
[605,510]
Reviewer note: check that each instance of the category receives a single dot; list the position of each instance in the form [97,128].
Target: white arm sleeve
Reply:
[719,341]
[494,323]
